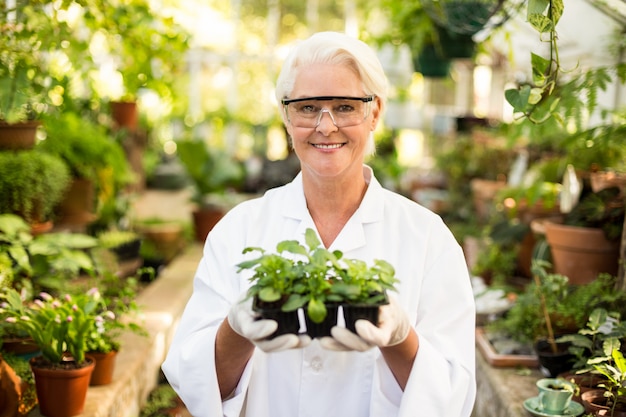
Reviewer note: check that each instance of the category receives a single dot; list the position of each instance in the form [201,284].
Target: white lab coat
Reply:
[434,290]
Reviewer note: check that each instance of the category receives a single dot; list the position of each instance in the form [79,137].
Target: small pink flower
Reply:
[109,314]
[45,296]
[25,318]
[93,292]
[74,307]
[68,297]
[56,304]
[69,319]
[11,320]
[39,303]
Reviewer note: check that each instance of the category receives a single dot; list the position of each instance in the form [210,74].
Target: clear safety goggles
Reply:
[343,111]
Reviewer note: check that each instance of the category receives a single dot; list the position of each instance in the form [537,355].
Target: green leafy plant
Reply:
[47,261]
[613,368]
[543,16]
[160,402]
[59,326]
[600,336]
[32,183]
[211,171]
[603,209]
[87,149]
[121,313]
[568,307]
[312,276]
[114,238]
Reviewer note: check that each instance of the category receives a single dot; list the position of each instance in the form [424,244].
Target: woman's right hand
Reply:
[245,322]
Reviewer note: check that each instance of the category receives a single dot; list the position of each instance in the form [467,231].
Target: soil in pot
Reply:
[318,330]
[288,321]
[354,312]
[551,363]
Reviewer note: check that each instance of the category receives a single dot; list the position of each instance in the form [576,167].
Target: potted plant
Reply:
[60,328]
[118,314]
[317,280]
[603,333]
[125,244]
[32,183]
[23,74]
[147,48]
[610,400]
[97,164]
[166,237]
[44,262]
[568,307]
[587,241]
[215,176]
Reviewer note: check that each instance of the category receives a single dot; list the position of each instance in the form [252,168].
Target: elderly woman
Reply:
[418,360]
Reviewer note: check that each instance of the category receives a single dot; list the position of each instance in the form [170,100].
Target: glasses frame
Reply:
[367,99]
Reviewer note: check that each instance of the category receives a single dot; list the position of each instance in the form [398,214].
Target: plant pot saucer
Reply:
[533,407]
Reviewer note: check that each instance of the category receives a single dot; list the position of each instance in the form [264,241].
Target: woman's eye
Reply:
[344,108]
[308,108]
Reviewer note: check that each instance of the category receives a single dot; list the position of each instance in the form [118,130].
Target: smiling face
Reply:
[326,150]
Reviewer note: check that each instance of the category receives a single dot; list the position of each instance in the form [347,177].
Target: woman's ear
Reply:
[376,113]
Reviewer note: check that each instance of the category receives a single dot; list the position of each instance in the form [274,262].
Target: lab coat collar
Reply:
[352,236]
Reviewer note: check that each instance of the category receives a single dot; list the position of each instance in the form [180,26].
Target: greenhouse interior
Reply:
[134,134]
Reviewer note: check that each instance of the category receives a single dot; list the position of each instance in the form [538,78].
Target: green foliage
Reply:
[543,16]
[569,306]
[87,149]
[597,339]
[212,171]
[298,276]
[613,368]
[46,261]
[25,74]
[603,209]
[465,158]
[160,401]
[32,183]
[114,238]
[59,326]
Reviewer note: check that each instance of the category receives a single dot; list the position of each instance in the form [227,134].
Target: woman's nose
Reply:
[324,126]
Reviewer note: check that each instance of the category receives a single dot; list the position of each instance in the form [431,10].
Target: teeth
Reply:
[338,145]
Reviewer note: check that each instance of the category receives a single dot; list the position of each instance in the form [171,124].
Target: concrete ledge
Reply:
[502,391]
[138,363]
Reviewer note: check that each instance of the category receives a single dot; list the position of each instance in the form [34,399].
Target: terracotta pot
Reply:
[61,392]
[10,390]
[125,114]
[105,366]
[204,219]
[594,402]
[14,136]
[581,253]
[78,204]
[24,347]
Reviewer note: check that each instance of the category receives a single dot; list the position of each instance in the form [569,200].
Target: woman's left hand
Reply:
[392,329]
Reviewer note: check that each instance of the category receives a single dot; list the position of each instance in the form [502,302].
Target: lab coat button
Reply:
[316,364]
